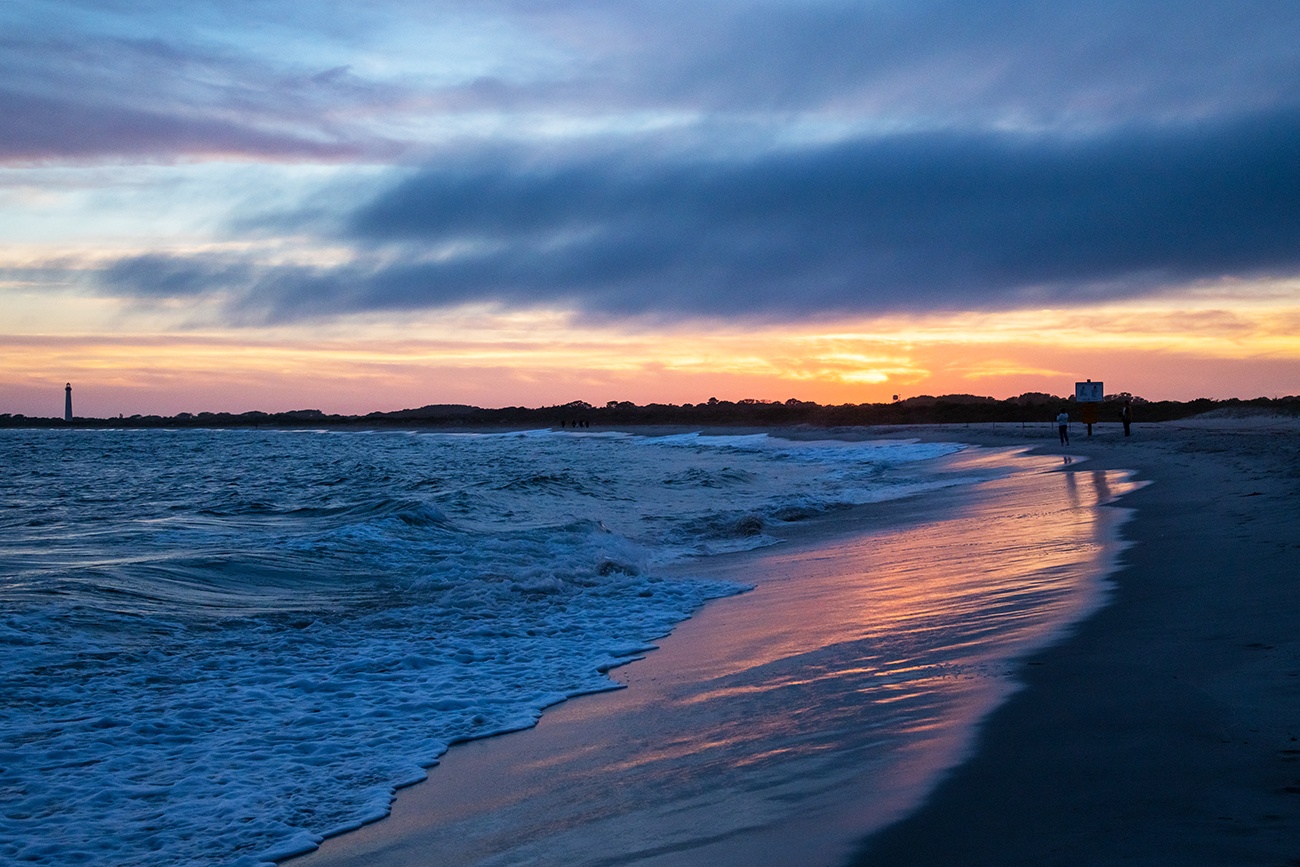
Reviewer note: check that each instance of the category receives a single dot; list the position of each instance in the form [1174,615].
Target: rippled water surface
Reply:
[219,645]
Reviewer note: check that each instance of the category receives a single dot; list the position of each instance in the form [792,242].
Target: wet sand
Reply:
[785,725]
[1166,730]
[1163,729]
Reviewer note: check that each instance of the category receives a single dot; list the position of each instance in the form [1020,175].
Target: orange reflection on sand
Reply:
[891,639]
[911,622]
[804,714]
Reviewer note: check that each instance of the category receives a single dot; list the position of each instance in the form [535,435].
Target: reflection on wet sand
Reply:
[829,697]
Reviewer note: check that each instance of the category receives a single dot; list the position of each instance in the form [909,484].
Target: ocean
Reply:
[218,647]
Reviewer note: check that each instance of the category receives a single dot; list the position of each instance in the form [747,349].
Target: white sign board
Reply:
[1089,392]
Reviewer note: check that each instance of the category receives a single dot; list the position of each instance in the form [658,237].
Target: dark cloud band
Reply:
[917,221]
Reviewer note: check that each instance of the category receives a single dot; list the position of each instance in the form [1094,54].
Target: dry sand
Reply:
[1162,731]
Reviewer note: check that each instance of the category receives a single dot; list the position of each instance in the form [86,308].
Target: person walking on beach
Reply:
[1126,415]
[1063,427]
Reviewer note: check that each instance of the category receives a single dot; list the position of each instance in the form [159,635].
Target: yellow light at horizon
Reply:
[1213,331]
[476,352]
[1001,367]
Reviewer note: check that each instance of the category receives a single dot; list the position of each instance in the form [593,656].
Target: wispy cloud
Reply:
[81,87]
[383,80]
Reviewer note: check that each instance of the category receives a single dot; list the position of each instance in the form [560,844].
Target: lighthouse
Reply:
[67,402]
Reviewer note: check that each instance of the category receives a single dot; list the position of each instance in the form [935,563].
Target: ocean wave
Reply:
[273,630]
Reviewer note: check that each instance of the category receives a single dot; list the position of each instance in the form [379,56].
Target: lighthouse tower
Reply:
[67,402]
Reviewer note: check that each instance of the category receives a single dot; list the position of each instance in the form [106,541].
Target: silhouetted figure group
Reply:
[1063,422]
[574,424]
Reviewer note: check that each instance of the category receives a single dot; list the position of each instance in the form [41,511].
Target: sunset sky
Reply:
[256,204]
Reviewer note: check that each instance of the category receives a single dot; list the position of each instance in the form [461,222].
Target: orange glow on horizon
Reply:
[489,357]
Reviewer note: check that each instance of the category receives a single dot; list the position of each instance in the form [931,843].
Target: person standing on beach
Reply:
[1063,427]
[1126,415]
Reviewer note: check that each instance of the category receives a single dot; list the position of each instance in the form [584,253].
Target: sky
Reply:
[239,205]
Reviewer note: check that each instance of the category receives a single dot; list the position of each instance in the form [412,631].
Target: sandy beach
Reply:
[1159,729]
[1167,730]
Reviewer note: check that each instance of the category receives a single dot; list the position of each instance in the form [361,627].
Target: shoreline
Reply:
[729,637]
[1163,729]
[1166,730]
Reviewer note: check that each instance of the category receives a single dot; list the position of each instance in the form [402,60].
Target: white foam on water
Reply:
[219,647]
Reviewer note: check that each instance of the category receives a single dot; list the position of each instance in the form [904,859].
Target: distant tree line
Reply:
[924,409]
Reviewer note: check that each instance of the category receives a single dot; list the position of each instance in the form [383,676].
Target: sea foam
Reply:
[220,646]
